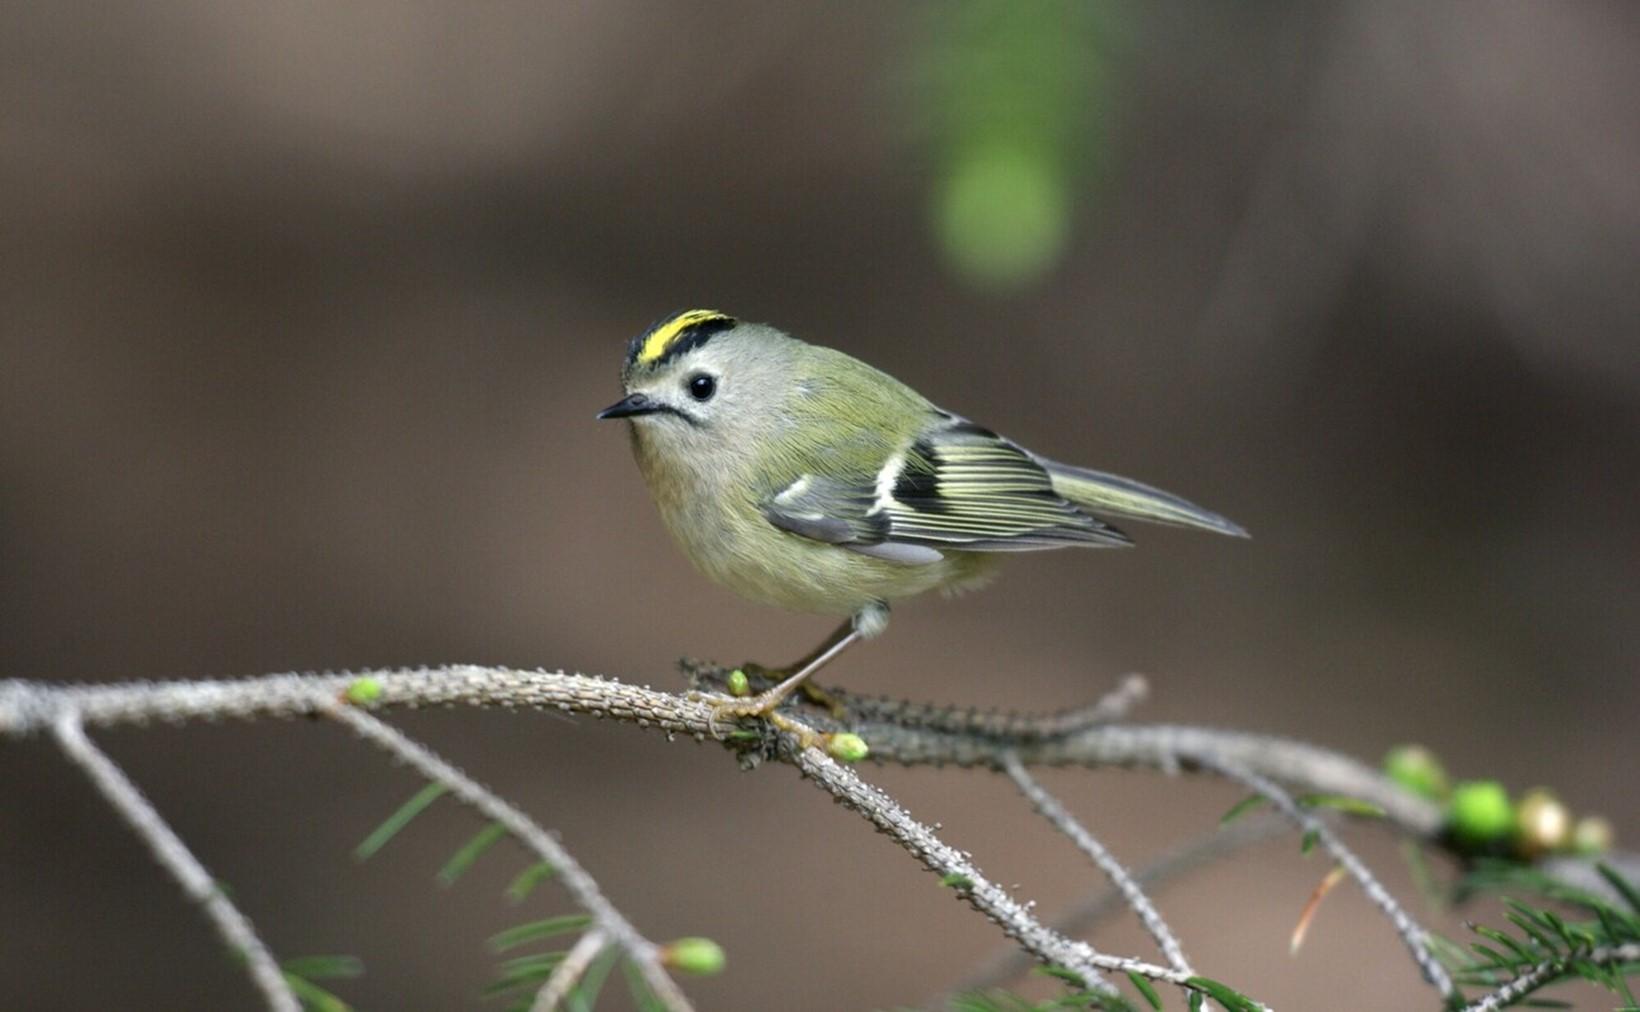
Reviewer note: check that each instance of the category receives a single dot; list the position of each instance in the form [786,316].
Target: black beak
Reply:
[630,406]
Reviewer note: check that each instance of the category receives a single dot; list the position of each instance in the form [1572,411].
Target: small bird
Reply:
[799,476]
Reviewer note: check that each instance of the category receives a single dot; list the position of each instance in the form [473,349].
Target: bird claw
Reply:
[730,711]
[811,692]
[763,705]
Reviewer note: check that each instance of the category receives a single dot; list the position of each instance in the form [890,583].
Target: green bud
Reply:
[847,747]
[1416,768]
[1592,835]
[364,691]
[699,956]
[738,683]
[1479,812]
[1542,823]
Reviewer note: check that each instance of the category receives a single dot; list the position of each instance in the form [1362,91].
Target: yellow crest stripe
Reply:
[658,340]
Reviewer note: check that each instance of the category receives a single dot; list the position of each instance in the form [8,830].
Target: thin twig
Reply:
[1532,979]
[569,972]
[989,725]
[173,855]
[1413,935]
[1102,858]
[644,954]
[1116,704]
[1166,747]
[1584,873]
[1009,962]
[984,895]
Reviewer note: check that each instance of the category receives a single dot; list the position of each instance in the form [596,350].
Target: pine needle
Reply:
[397,821]
[528,879]
[1328,882]
[470,852]
[535,931]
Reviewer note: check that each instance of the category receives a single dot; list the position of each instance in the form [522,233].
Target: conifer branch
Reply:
[607,921]
[174,856]
[895,733]
[1413,935]
[29,706]
[958,871]
[978,725]
[1582,873]
[1169,748]
[1008,963]
[1088,844]
[568,973]
[1549,969]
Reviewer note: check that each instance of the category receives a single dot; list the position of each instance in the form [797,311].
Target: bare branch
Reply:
[582,886]
[27,707]
[1169,748]
[1583,873]
[971,884]
[1114,705]
[984,895]
[1413,935]
[984,725]
[1102,858]
[173,855]
[1010,962]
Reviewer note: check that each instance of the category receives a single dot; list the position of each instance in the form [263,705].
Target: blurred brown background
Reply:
[305,311]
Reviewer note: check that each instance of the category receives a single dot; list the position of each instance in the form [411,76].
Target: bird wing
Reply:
[1112,493]
[955,486]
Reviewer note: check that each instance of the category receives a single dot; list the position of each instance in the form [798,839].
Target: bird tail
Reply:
[1112,494]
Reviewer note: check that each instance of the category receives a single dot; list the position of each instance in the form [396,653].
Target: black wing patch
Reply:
[965,486]
[958,487]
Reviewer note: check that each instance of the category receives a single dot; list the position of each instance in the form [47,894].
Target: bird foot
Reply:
[764,705]
[811,692]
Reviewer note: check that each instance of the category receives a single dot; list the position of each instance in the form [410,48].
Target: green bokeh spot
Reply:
[1480,813]
[1418,770]
[1003,214]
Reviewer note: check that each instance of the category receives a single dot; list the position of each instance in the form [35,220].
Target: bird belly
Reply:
[804,575]
[725,534]
[741,550]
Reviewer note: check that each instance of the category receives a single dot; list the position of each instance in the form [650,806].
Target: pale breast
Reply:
[724,533]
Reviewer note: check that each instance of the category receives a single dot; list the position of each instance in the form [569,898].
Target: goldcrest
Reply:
[799,476]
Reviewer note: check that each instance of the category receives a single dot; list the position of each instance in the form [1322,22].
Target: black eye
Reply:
[702,387]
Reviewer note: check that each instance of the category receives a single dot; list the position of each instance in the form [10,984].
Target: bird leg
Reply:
[764,703]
